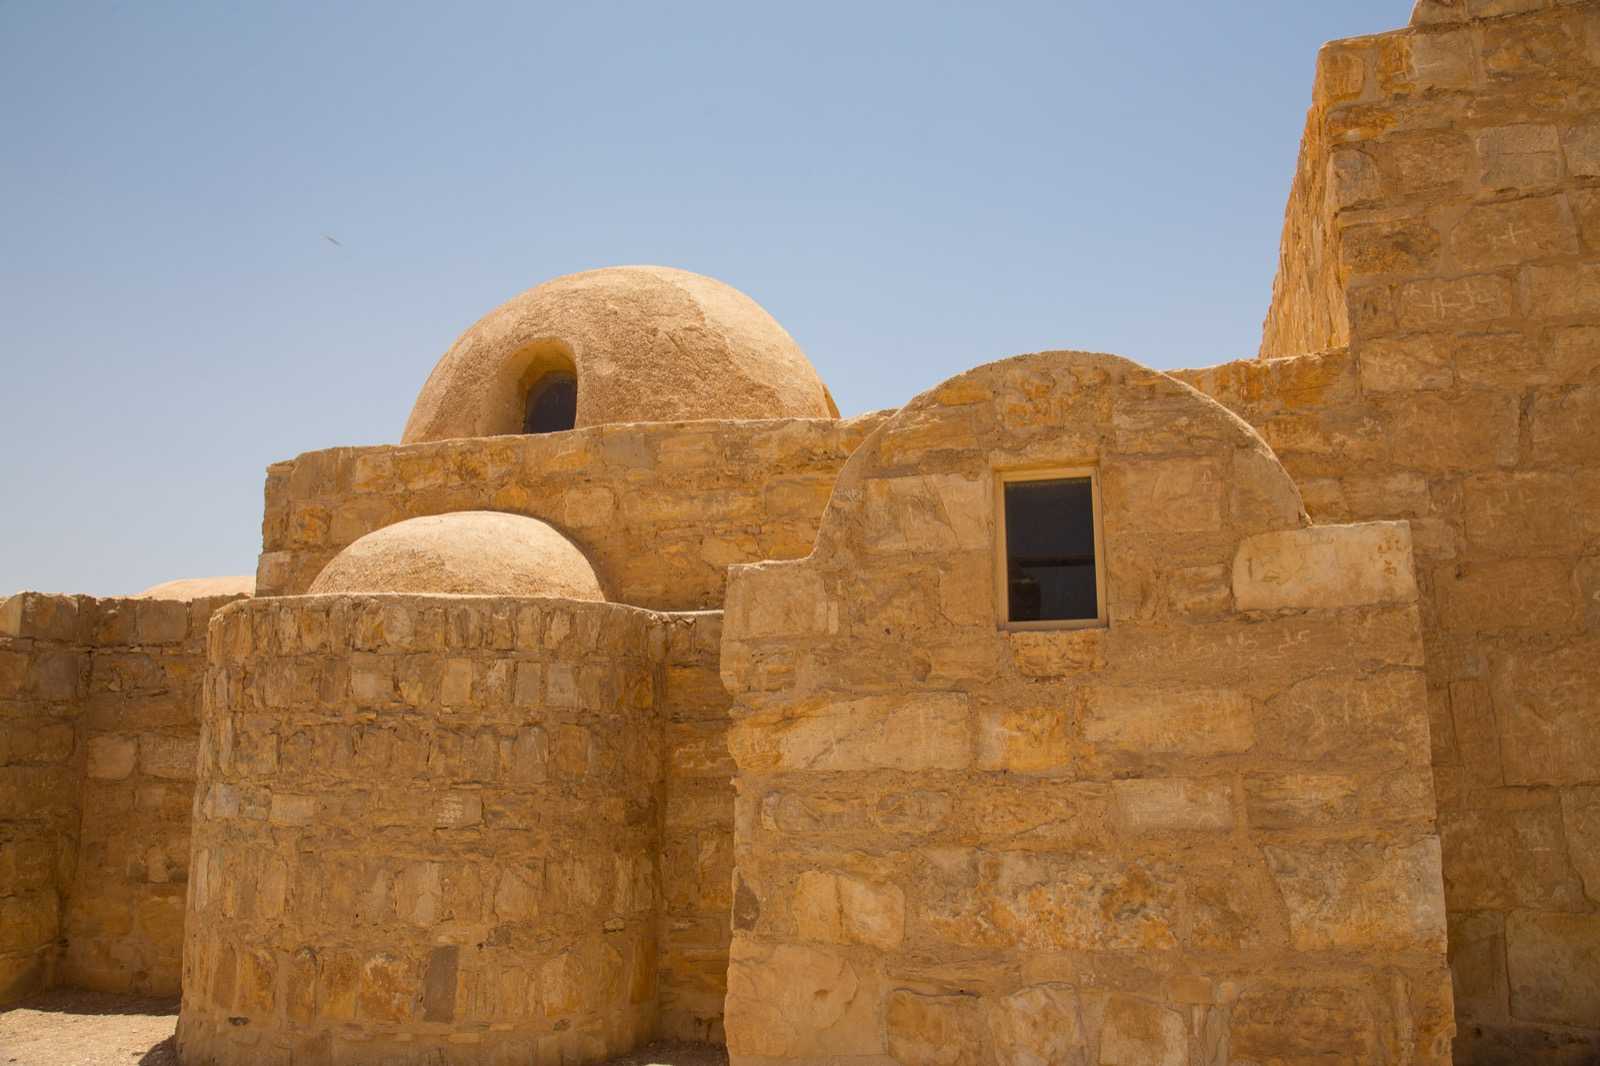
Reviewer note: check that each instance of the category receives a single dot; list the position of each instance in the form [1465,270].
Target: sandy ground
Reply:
[67,1028]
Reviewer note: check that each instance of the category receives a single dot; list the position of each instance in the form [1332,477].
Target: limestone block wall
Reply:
[697,837]
[43,677]
[101,700]
[140,732]
[1203,833]
[428,830]
[1463,156]
[660,509]
[1506,563]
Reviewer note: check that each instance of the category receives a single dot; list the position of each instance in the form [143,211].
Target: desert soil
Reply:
[70,1028]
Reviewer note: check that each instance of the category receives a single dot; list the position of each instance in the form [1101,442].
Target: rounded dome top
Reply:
[199,588]
[483,553]
[644,344]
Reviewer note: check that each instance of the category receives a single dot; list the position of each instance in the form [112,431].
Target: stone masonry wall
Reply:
[697,844]
[140,730]
[660,509]
[43,675]
[1507,563]
[1203,834]
[429,827]
[1463,157]
[102,705]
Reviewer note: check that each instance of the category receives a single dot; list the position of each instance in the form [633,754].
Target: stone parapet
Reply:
[660,509]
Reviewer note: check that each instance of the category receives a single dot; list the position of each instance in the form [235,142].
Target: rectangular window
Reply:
[1051,571]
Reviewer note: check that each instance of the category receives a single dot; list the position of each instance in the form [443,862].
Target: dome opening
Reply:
[552,403]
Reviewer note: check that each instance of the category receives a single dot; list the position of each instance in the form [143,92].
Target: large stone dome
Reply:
[468,552]
[641,344]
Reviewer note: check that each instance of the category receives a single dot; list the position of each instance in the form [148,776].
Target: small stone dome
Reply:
[635,344]
[199,588]
[483,553]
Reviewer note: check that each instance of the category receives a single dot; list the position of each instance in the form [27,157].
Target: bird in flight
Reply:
[331,240]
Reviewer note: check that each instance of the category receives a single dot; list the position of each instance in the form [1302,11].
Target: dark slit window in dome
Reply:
[1050,551]
[552,404]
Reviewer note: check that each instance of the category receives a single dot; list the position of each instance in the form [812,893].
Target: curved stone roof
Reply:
[647,344]
[199,588]
[1171,457]
[468,552]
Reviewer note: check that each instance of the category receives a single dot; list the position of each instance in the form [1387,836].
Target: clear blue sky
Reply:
[910,188]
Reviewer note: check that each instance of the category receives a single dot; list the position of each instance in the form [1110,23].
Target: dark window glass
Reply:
[1050,550]
[552,404]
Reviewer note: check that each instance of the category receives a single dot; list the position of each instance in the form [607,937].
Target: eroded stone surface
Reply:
[1078,846]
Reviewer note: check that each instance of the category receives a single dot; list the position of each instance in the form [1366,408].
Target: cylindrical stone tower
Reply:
[426,829]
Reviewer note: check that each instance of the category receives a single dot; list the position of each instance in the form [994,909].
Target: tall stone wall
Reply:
[429,827]
[697,838]
[660,509]
[140,732]
[101,698]
[1202,834]
[43,676]
[1463,159]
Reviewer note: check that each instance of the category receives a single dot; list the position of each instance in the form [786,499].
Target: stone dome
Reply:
[641,344]
[199,588]
[482,553]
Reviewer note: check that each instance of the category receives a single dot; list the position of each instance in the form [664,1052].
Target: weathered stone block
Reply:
[1510,594]
[1174,805]
[1454,431]
[798,1000]
[1580,809]
[1402,246]
[164,755]
[838,909]
[1554,966]
[1362,895]
[1290,801]
[1308,1022]
[1511,854]
[926,732]
[1037,1026]
[1549,721]
[1139,721]
[1058,654]
[1446,304]
[1564,290]
[1560,421]
[1054,903]
[776,600]
[941,1030]
[288,809]
[1477,964]
[1505,234]
[1138,1032]
[162,622]
[111,758]
[387,989]
[1171,495]
[1325,567]
[1025,740]
[1407,364]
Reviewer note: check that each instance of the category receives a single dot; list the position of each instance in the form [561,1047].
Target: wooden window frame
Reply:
[1014,475]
